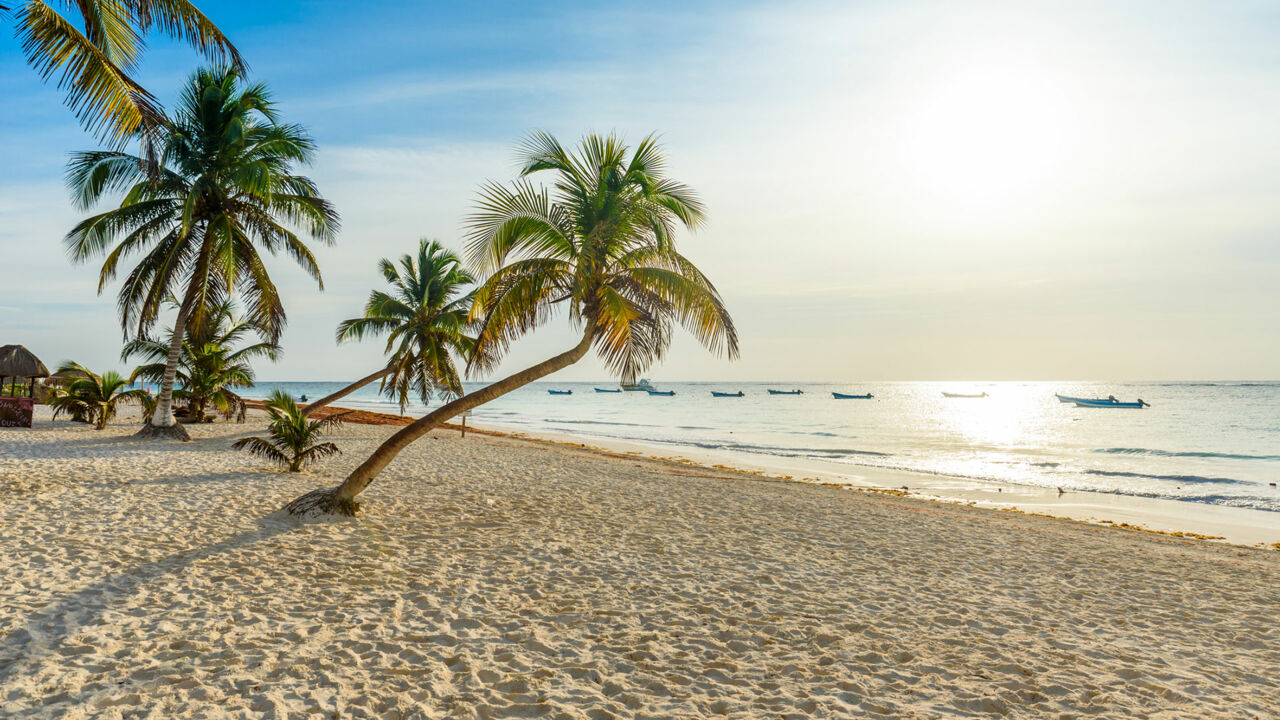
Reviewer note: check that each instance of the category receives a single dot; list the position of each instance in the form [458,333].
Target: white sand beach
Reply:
[496,577]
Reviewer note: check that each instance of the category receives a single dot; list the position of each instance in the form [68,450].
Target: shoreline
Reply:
[1236,526]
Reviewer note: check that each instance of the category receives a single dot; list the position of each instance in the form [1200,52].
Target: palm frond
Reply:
[100,92]
[262,448]
[603,243]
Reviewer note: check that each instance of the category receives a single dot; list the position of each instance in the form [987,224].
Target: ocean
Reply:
[1215,443]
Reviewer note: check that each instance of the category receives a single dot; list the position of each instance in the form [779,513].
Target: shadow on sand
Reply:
[27,644]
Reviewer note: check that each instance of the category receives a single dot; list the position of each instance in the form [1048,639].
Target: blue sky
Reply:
[896,190]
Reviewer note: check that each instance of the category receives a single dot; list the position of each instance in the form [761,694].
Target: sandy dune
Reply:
[497,578]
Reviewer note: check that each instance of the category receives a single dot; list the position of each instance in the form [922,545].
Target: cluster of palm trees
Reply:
[215,185]
[213,363]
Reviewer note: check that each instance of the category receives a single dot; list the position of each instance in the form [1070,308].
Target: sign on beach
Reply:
[15,411]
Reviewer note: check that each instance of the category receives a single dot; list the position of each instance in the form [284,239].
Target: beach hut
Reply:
[64,378]
[18,362]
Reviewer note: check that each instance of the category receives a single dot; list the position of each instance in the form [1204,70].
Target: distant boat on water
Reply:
[843,396]
[637,386]
[560,392]
[1069,399]
[785,392]
[715,393]
[618,390]
[963,395]
[667,393]
[1113,404]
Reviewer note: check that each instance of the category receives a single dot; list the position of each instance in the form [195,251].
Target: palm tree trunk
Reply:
[162,422]
[341,500]
[345,391]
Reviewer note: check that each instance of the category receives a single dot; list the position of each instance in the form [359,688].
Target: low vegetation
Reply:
[95,399]
[293,439]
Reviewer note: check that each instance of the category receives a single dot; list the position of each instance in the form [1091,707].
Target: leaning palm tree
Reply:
[93,399]
[425,319]
[223,191]
[599,243]
[95,58]
[213,362]
[293,438]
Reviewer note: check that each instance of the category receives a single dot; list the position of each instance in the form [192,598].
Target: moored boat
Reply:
[617,390]
[844,396]
[715,393]
[964,395]
[785,392]
[666,393]
[1113,404]
[1069,399]
[637,386]
[559,392]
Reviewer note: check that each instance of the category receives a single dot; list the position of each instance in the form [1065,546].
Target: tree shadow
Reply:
[130,442]
[27,644]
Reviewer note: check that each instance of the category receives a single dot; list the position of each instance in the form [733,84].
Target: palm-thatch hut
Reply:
[64,378]
[19,362]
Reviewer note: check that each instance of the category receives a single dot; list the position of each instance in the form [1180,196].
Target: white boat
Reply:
[1113,404]
[1068,399]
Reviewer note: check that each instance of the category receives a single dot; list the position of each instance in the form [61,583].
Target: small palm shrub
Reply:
[292,438]
[94,399]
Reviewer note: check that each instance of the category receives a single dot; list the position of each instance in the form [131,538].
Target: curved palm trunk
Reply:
[345,391]
[341,500]
[162,422]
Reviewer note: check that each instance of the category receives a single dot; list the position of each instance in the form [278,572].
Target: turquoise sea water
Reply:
[1215,443]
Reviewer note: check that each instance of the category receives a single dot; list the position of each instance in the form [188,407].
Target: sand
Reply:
[493,577]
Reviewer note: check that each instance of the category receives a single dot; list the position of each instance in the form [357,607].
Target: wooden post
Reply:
[464,425]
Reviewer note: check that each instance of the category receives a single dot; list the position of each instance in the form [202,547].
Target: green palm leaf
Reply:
[221,193]
[293,439]
[425,319]
[93,64]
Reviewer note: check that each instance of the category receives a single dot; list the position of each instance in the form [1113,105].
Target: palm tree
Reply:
[425,319]
[599,243]
[94,399]
[223,190]
[95,61]
[293,437]
[210,366]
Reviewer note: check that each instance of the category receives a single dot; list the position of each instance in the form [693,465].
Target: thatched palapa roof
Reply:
[66,377]
[17,361]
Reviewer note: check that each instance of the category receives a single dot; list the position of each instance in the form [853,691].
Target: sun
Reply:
[985,137]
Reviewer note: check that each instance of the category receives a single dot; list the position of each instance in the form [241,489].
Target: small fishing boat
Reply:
[665,393]
[843,396]
[785,392]
[637,386]
[1113,404]
[1068,399]
[715,393]
[618,390]
[963,395]
[560,392]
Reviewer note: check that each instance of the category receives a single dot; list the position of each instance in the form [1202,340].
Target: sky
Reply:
[895,190]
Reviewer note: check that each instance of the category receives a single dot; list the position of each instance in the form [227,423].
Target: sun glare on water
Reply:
[1013,415]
